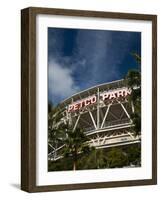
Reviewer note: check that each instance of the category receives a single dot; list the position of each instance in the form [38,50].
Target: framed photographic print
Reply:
[88,99]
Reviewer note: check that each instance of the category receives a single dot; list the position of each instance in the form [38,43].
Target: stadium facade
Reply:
[103,112]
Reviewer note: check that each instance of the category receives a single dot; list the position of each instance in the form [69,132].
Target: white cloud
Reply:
[61,83]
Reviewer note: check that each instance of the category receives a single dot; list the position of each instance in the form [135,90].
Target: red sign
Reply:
[82,103]
[109,95]
[123,92]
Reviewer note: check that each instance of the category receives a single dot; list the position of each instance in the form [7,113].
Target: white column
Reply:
[98,108]
[92,119]
[75,126]
[105,115]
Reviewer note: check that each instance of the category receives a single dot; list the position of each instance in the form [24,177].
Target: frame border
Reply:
[28,98]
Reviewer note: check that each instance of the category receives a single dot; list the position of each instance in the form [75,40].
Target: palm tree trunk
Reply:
[75,159]
[74,165]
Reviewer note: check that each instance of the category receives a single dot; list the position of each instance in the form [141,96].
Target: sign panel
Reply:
[104,96]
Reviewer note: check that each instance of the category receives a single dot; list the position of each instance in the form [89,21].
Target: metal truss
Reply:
[107,124]
[98,120]
[114,138]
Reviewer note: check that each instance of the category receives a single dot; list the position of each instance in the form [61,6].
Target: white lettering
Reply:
[123,92]
[105,96]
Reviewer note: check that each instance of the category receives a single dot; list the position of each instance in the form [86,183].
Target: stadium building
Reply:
[103,112]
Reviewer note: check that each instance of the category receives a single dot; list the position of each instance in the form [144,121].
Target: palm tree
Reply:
[117,158]
[133,80]
[74,142]
[137,58]
[99,157]
[56,129]
[76,145]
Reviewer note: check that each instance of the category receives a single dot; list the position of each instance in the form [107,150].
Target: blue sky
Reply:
[80,58]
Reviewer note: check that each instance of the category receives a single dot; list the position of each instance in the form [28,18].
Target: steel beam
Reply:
[105,115]
[98,108]
[92,119]
[75,126]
